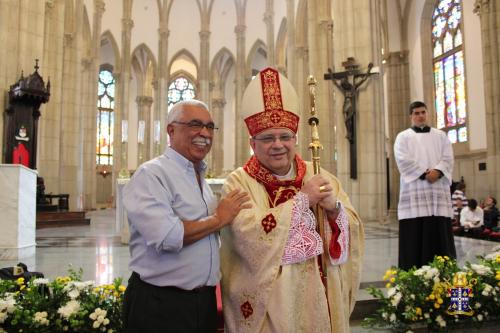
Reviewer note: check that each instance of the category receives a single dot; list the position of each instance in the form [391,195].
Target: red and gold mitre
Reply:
[270,101]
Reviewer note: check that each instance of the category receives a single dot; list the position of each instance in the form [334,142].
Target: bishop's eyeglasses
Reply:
[197,125]
[267,139]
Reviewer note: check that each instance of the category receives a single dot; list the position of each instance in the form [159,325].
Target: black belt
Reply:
[202,289]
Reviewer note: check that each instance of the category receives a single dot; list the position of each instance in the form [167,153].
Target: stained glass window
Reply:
[105,117]
[449,74]
[181,89]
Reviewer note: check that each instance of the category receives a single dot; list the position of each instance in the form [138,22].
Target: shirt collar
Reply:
[424,129]
[184,162]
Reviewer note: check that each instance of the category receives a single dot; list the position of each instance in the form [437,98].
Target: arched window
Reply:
[181,89]
[449,74]
[105,117]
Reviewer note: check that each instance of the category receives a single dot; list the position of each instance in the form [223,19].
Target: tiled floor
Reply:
[98,250]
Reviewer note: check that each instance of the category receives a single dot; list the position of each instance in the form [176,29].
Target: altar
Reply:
[18,207]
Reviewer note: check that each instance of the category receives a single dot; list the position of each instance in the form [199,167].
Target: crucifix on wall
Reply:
[349,82]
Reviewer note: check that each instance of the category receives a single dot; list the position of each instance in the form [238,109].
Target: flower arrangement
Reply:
[424,297]
[64,305]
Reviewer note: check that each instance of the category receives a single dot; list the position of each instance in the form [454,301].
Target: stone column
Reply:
[357,34]
[218,143]
[319,38]
[269,21]
[204,72]
[398,100]
[290,48]
[144,140]
[241,154]
[162,87]
[120,160]
[489,13]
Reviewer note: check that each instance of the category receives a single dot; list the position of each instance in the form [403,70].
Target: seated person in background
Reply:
[490,213]
[459,200]
[471,217]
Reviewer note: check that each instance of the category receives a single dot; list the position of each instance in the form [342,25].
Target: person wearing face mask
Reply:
[424,157]
[269,255]
[174,221]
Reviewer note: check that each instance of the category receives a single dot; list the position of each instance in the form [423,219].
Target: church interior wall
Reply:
[111,18]
[132,125]
[146,24]
[474,78]
[228,133]
[254,17]
[182,35]
[393,17]
[222,24]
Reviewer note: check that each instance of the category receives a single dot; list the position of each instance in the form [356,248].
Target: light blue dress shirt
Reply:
[162,193]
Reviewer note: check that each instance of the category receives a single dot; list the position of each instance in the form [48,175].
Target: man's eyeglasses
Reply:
[267,139]
[197,125]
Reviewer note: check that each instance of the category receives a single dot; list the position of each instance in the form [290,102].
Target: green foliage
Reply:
[64,305]
[420,297]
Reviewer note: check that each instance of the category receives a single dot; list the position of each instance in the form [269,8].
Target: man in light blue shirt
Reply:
[174,220]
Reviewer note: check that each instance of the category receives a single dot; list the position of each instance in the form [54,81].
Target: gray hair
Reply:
[176,110]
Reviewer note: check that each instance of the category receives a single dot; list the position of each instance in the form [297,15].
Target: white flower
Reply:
[73,294]
[481,269]
[412,296]
[409,331]
[391,291]
[396,298]
[99,318]
[392,317]
[41,318]
[441,321]
[492,256]
[480,317]
[3,316]
[385,315]
[477,305]
[487,290]
[426,315]
[421,270]
[68,309]
[40,281]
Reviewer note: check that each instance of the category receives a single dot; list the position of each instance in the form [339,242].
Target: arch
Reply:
[259,49]
[301,24]
[188,57]
[107,37]
[222,63]
[281,45]
[144,66]
[86,32]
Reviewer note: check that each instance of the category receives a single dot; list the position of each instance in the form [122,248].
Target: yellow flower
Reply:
[431,296]
[437,305]
[418,311]
[497,276]
[20,281]
[122,288]
[497,259]
[392,280]
[388,285]
[446,258]
[440,300]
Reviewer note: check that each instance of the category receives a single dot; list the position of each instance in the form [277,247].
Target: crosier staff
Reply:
[315,146]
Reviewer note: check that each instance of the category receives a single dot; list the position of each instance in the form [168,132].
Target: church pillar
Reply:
[161,107]
[241,154]
[203,74]
[70,178]
[218,143]
[319,38]
[398,95]
[290,48]
[269,21]
[120,160]
[357,34]
[49,153]
[489,13]
[144,126]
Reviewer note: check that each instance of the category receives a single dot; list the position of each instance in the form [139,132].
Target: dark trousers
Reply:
[152,309]
[422,238]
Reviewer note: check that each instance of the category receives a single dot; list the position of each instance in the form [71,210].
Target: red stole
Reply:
[278,191]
